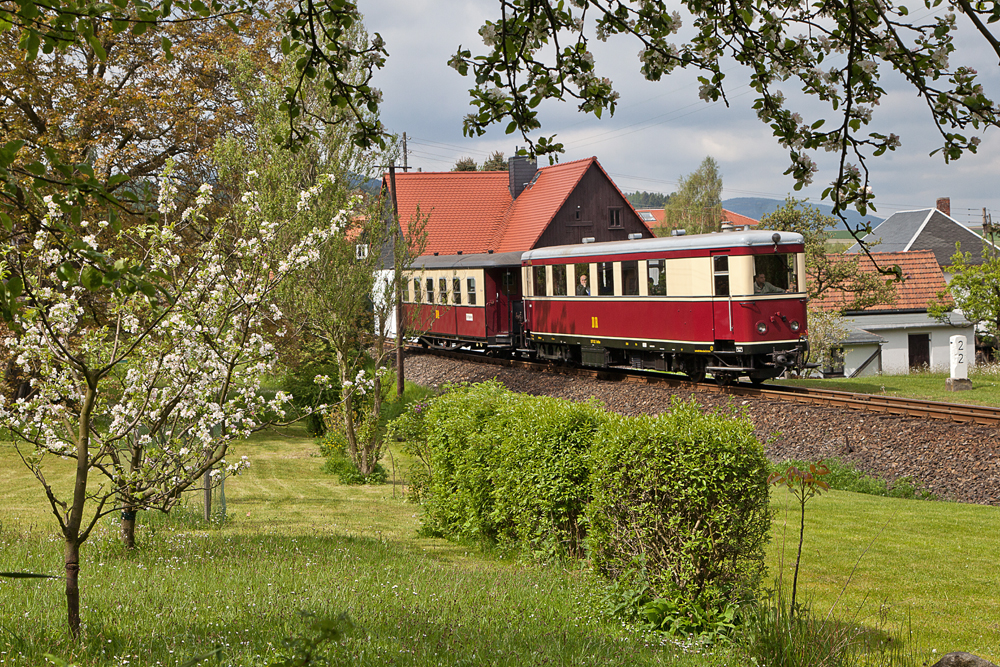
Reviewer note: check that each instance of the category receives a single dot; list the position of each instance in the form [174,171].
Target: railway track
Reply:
[904,407]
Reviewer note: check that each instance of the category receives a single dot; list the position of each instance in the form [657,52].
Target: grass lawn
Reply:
[296,540]
[924,385]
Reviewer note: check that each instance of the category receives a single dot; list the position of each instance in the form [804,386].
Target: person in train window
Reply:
[582,289]
[761,286]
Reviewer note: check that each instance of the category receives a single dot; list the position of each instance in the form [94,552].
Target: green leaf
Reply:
[67,273]
[139,28]
[95,44]
[15,287]
[165,43]
[35,168]
[91,278]
[6,221]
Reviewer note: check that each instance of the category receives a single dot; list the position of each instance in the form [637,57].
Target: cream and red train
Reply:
[690,304]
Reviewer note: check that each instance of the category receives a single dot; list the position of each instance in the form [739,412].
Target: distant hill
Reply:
[758,207]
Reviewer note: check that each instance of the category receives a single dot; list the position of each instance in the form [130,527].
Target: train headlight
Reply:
[762,328]
[794,325]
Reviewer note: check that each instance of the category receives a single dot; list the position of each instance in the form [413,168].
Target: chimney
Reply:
[944,205]
[520,171]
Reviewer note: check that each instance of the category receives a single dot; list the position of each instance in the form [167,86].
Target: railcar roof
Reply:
[477,261]
[667,243]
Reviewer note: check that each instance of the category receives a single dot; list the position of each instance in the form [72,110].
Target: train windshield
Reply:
[774,274]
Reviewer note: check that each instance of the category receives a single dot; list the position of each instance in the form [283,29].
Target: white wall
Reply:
[896,349]
[855,355]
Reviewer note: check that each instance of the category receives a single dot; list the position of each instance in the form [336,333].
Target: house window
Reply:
[361,251]
[834,363]
[559,280]
[614,218]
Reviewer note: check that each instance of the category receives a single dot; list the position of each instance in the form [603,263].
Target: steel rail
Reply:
[878,403]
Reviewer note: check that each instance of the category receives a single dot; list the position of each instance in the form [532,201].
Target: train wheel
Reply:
[696,375]
[724,379]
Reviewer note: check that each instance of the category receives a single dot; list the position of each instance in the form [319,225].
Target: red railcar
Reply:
[466,300]
[729,304]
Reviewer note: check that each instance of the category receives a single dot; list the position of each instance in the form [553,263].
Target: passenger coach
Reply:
[729,304]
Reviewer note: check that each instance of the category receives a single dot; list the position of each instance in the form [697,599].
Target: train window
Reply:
[538,280]
[630,278]
[443,290]
[605,278]
[430,290]
[779,274]
[559,280]
[456,290]
[656,277]
[416,290]
[582,273]
[615,219]
[721,267]
[471,285]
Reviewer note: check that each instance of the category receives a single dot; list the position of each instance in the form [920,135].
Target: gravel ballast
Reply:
[954,461]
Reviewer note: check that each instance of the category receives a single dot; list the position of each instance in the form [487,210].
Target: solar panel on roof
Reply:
[647,216]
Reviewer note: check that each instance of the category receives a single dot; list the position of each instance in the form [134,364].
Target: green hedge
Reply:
[676,504]
[680,500]
[509,469]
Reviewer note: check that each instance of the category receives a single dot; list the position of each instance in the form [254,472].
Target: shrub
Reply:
[509,469]
[333,446]
[680,500]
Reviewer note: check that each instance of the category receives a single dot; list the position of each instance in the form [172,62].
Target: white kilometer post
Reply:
[959,380]
[959,358]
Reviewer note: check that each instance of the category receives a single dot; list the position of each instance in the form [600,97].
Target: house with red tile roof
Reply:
[893,338]
[654,217]
[472,212]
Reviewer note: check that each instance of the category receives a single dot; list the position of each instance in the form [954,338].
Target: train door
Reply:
[503,287]
[722,303]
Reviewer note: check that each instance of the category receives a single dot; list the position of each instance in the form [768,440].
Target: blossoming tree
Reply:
[142,374]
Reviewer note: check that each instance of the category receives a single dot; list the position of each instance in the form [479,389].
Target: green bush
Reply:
[333,446]
[508,469]
[681,501]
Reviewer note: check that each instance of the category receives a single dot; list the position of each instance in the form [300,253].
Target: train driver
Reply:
[761,286]
[582,289]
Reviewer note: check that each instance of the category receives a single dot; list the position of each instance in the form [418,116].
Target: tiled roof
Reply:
[464,209]
[538,203]
[727,216]
[922,280]
[473,212]
[737,219]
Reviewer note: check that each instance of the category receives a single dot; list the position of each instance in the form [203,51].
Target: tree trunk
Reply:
[73,586]
[128,527]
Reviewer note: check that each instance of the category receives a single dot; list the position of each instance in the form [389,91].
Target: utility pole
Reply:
[405,168]
[988,229]
[398,271]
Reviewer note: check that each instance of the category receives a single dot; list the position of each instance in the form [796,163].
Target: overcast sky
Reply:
[662,130]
